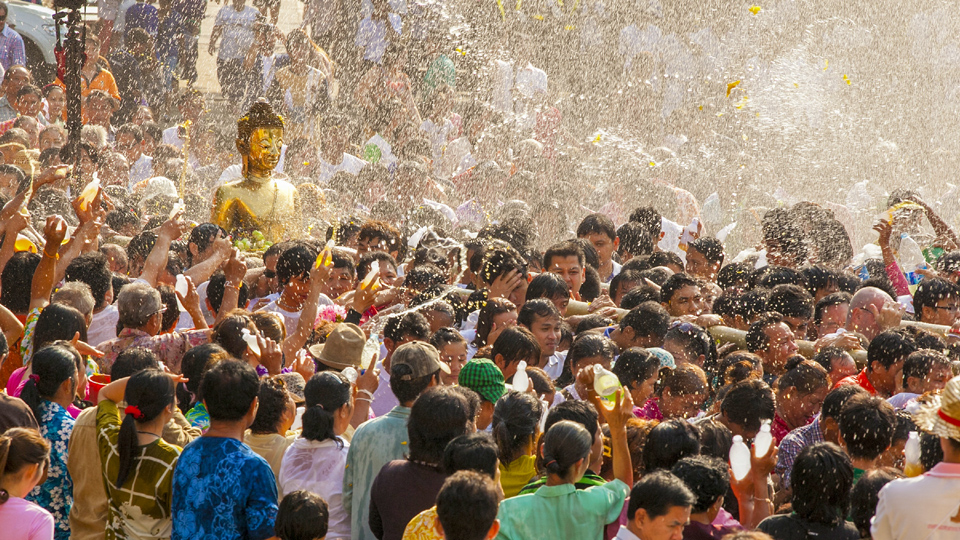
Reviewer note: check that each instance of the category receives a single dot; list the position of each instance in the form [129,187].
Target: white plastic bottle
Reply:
[739,458]
[911,258]
[520,379]
[182,288]
[604,381]
[251,341]
[912,454]
[763,441]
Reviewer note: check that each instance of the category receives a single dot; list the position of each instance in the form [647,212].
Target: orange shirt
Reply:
[103,80]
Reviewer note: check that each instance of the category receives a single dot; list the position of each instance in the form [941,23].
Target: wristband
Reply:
[368,400]
[55,256]
[365,392]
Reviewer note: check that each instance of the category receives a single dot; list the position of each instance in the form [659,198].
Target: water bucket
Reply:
[94,384]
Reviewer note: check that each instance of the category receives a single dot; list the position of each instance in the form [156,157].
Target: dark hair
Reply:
[202,236]
[748,403]
[657,493]
[141,245]
[228,333]
[564,444]
[791,301]
[471,452]
[931,291]
[196,362]
[647,319]
[592,321]
[757,339]
[366,261]
[634,240]
[410,324]
[467,506]
[578,411]
[150,391]
[51,366]
[668,442]
[229,389]
[821,479]
[295,262]
[446,336]
[325,393]
[889,347]
[597,224]
[769,277]
[673,284]
[866,494]
[586,346]
[734,275]
[683,380]
[563,250]
[515,419]
[818,277]
[20,447]
[837,398]
[132,361]
[215,288]
[710,247]
[549,286]
[499,260]
[706,477]
[651,221]
[832,299]
[695,340]
[491,308]
[867,424]
[664,258]
[437,417]
[641,294]
[634,366]
[931,452]
[537,307]
[404,386]
[302,515]
[806,376]
[170,317]
[16,279]
[715,439]
[273,398]
[515,343]
[93,269]
[56,322]
[920,363]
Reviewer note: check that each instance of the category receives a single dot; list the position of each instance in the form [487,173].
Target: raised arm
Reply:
[308,315]
[44,277]
[169,231]
[234,270]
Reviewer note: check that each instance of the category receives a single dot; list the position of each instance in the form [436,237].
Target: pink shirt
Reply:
[23,520]
[15,386]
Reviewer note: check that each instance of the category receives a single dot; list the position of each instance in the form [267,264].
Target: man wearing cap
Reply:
[483,377]
[927,507]
[414,368]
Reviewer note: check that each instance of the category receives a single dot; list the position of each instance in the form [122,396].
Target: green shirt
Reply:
[141,509]
[562,512]
[375,443]
[589,479]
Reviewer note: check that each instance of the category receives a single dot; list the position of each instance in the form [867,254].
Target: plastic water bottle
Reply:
[351,374]
[182,288]
[604,381]
[739,458]
[911,258]
[520,379]
[251,341]
[912,454]
[761,444]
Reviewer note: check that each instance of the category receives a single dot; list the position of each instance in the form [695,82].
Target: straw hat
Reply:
[343,348]
[941,417]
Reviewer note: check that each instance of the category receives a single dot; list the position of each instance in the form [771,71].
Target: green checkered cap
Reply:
[483,377]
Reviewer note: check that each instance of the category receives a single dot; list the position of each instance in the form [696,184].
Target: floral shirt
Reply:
[222,490]
[426,526]
[56,494]
[199,417]
[169,348]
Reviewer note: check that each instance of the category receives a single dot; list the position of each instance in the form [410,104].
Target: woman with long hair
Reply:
[24,458]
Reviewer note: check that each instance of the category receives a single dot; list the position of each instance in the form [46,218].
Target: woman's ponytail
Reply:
[20,447]
[148,393]
[325,393]
[564,445]
[51,366]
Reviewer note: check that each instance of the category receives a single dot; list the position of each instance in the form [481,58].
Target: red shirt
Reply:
[859,379]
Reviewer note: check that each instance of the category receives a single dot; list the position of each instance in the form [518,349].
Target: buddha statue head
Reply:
[259,140]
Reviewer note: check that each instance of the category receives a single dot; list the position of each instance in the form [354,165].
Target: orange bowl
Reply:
[94,384]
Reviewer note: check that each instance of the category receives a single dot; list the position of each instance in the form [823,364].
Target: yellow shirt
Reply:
[517,474]
[425,526]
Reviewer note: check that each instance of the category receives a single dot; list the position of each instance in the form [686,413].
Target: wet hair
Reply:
[471,452]
[51,366]
[707,477]
[734,275]
[920,363]
[19,448]
[141,245]
[648,218]
[229,389]
[228,333]
[589,322]
[818,277]
[467,506]
[302,515]
[832,299]
[58,322]
[664,258]
[695,340]
[647,319]
[669,442]
[94,270]
[683,380]
[931,291]
[564,444]
[597,224]
[769,277]
[132,361]
[515,343]
[563,250]
[196,362]
[499,260]
[578,411]
[295,262]
[657,493]
[748,403]
[446,336]
[641,294]
[437,417]
[888,348]
[366,261]
[409,324]
[709,247]
[148,394]
[866,494]
[634,240]
[203,236]
[549,286]
[634,366]
[272,404]
[16,279]
[270,325]
[491,308]
[538,307]
[674,284]
[586,346]
[791,301]
[325,393]
[867,424]
[931,452]
[757,339]
[170,317]
[515,419]
[821,480]
[806,376]
[715,439]
[835,400]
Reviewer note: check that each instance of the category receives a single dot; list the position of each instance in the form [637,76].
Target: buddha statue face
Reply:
[262,152]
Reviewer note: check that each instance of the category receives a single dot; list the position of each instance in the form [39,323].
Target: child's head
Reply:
[302,516]
[566,450]
[22,451]
[467,507]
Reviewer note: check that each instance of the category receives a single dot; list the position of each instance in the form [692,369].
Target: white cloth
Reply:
[318,467]
[141,170]
[383,398]
[238,34]
[554,367]
[348,163]
[625,534]
[919,508]
[103,326]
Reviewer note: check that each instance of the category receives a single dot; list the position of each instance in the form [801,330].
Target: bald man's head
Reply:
[860,318]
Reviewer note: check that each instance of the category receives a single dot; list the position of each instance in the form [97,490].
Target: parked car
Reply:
[35,24]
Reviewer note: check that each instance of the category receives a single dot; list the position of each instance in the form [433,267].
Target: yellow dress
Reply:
[425,526]
[517,474]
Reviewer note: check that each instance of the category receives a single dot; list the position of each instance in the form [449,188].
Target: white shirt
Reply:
[554,367]
[919,508]
[383,398]
[292,318]
[141,170]
[625,534]
[318,467]
[103,326]
[237,31]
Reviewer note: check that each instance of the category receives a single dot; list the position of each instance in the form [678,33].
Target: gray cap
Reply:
[422,358]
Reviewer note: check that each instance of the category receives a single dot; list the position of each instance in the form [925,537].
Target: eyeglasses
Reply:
[161,311]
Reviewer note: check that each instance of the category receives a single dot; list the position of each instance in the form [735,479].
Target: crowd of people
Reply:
[455,346]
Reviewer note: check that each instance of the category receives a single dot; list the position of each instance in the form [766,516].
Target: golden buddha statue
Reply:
[258,202]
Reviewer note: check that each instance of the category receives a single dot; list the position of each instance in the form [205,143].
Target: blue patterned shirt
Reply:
[223,490]
[56,494]
[792,444]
